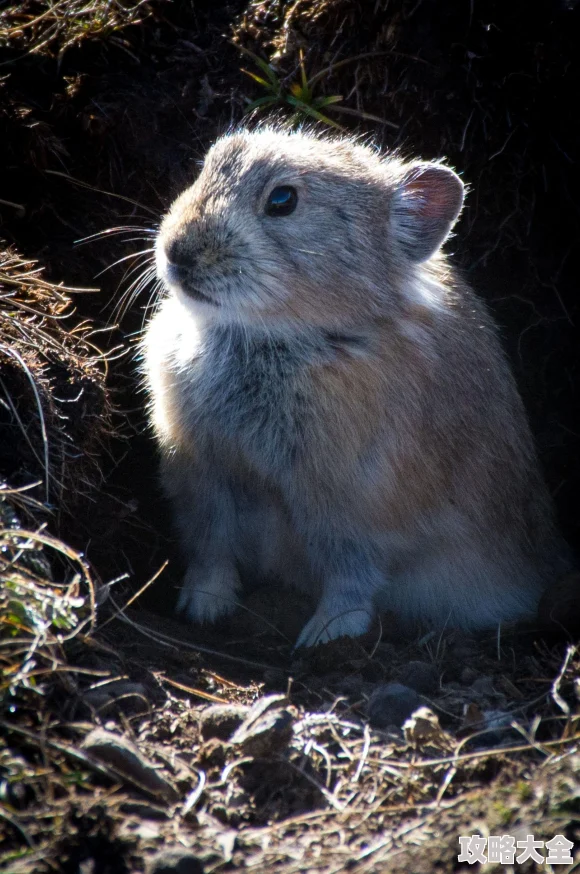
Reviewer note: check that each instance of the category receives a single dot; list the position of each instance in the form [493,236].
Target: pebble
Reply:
[175,862]
[124,757]
[118,696]
[221,720]
[484,686]
[423,677]
[392,704]
[468,675]
[267,729]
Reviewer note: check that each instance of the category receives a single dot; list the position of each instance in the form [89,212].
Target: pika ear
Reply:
[425,206]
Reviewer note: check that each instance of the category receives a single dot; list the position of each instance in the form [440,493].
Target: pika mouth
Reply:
[176,277]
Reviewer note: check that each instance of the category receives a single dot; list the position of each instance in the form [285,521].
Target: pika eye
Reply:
[281,201]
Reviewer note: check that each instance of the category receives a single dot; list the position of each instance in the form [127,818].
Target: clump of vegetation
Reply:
[53,26]
[299,95]
[38,615]
[54,413]
[54,408]
[54,420]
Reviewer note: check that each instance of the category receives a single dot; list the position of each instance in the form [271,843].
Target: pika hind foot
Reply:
[209,593]
[331,621]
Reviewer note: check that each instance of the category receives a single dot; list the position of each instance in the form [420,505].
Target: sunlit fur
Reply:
[332,403]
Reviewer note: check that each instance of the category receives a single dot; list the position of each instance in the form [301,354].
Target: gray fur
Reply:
[333,405]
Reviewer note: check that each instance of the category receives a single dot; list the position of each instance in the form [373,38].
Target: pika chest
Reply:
[252,392]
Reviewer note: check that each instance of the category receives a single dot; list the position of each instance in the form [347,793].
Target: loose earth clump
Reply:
[128,741]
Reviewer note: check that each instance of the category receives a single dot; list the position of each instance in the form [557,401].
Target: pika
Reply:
[332,402]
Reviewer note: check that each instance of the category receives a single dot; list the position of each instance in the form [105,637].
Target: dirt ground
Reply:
[128,741]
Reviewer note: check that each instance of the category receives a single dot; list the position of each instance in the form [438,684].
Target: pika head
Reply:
[285,227]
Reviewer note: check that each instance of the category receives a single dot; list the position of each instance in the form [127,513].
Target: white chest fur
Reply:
[217,384]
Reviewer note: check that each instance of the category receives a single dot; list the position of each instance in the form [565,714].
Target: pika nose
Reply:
[178,253]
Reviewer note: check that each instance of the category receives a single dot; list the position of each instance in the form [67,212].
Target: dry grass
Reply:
[51,27]
[54,415]
[305,785]
[52,386]
[37,615]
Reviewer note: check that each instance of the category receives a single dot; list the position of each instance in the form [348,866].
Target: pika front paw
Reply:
[330,622]
[209,593]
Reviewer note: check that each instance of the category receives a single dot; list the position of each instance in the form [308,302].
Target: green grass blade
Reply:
[313,113]
[326,101]
[264,67]
[267,85]
[260,102]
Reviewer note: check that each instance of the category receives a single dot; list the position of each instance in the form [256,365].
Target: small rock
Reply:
[392,704]
[484,686]
[498,729]
[423,677]
[126,760]
[175,862]
[491,727]
[267,730]
[120,695]
[468,675]
[221,720]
